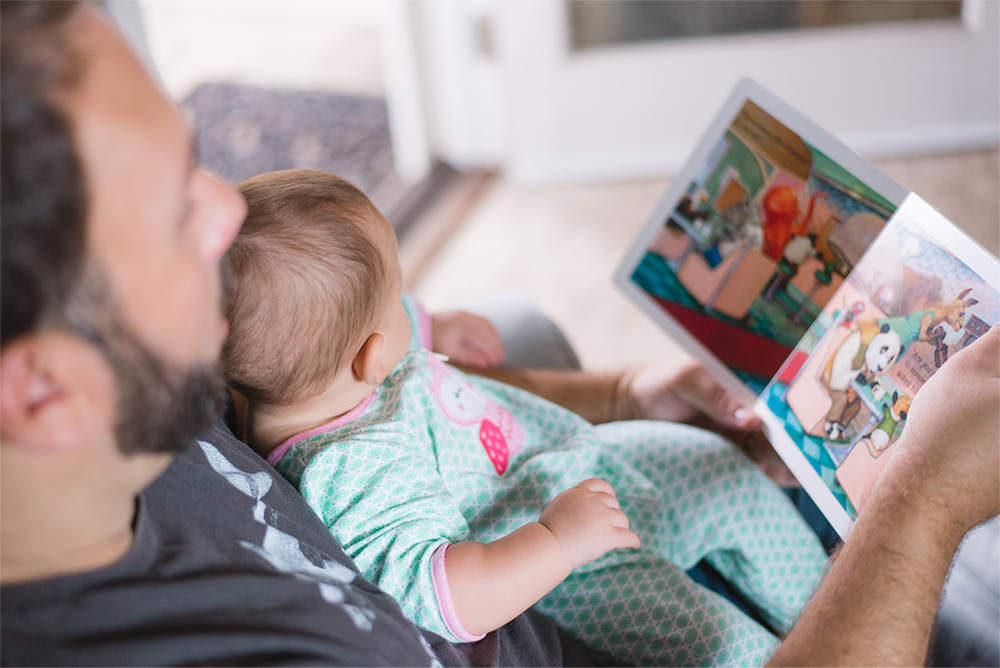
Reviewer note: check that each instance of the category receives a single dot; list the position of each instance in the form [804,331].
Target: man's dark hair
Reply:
[45,278]
[43,203]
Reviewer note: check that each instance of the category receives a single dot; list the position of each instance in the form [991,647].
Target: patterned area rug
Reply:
[242,131]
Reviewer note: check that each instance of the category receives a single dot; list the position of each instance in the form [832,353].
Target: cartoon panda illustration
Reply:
[868,352]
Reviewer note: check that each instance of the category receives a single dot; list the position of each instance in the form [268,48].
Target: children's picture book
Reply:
[811,285]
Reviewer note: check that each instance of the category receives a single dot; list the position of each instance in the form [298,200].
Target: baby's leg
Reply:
[650,613]
[717,505]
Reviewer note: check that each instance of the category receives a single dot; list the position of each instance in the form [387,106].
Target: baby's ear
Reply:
[365,366]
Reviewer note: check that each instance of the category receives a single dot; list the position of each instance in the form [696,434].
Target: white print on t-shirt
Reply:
[283,551]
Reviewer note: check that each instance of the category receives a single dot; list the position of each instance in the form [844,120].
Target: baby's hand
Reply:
[587,521]
[466,338]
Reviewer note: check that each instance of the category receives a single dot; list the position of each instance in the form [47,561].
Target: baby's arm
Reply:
[466,338]
[492,583]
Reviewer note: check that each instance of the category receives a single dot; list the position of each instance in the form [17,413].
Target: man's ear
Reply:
[366,364]
[57,393]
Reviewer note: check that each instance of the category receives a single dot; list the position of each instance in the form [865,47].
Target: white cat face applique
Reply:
[499,433]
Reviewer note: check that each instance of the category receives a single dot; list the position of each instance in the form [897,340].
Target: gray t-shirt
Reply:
[229,566]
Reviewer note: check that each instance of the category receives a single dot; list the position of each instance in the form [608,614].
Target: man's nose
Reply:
[224,213]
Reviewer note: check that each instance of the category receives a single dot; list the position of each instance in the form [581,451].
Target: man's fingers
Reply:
[780,475]
[707,395]
[762,452]
[985,352]
[758,448]
[745,418]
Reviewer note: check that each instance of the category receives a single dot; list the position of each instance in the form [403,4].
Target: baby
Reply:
[462,497]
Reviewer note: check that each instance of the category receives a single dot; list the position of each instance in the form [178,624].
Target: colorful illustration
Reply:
[761,240]
[499,432]
[844,393]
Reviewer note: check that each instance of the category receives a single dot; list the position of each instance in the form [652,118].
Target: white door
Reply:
[505,86]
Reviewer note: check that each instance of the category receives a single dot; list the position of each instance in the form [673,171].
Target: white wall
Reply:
[302,44]
[545,114]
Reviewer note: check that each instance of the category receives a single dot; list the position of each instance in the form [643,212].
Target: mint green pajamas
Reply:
[435,457]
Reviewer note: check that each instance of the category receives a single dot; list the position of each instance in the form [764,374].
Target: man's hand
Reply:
[950,448]
[466,339]
[587,521]
[687,393]
[876,605]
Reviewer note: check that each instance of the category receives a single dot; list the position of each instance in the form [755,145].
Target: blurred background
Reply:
[521,146]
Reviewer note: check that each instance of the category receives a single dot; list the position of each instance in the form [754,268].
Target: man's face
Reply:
[158,224]
[157,227]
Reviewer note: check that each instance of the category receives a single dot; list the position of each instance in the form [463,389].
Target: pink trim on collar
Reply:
[352,414]
[425,325]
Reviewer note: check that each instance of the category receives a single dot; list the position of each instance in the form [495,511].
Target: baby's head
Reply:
[314,297]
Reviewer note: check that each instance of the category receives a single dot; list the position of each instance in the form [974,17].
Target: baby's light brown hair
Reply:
[307,284]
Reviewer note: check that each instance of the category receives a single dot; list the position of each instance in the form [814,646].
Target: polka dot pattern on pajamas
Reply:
[405,477]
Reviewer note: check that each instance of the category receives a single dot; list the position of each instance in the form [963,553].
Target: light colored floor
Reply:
[560,247]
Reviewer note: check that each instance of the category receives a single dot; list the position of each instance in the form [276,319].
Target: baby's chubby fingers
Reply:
[604,491]
[479,354]
[482,336]
[471,355]
[626,538]
[466,338]
[587,521]
[598,485]
[618,533]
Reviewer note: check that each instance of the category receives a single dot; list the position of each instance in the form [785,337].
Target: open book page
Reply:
[754,237]
[922,292]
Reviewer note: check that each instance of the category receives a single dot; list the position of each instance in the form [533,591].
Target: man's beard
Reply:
[161,406]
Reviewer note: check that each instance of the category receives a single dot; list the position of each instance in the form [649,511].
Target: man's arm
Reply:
[595,396]
[670,391]
[877,605]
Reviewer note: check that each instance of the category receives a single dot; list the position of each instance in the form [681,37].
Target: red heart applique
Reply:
[496,445]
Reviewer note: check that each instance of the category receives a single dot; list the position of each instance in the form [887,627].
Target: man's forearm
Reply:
[877,605]
[596,396]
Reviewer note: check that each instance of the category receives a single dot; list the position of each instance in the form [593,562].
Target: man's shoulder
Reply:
[228,566]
